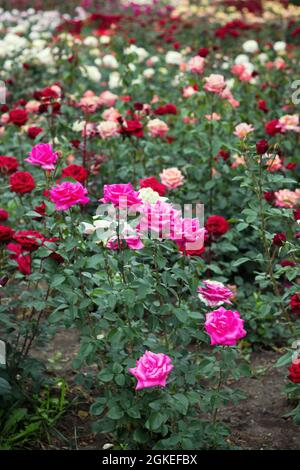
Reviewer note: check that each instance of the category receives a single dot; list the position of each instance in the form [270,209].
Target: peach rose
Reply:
[243,129]
[107,98]
[157,128]
[111,114]
[172,178]
[108,129]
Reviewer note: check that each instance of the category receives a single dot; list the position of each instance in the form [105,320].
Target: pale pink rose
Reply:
[290,122]
[189,120]
[182,67]
[287,198]
[56,89]
[214,83]
[279,63]
[67,194]
[32,106]
[239,160]
[108,129]
[234,103]
[111,114]
[107,98]
[214,293]
[4,118]
[225,327]
[243,129]
[120,194]
[89,102]
[42,155]
[152,370]
[227,95]
[155,99]
[157,128]
[274,163]
[239,70]
[213,117]
[188,91]
[196,64]
[172,178]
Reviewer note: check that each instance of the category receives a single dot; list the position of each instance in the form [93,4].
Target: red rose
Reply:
[75,171]
[41,209]
[262,147]
[291,166]
[131,128]
[166,109]
[216,225]
[273,127]
[203,52]
[46,94]
[294,370]
[224,154]
[295,304]
[286,262]
[154,184]
[8,164]
[18,116]
[30,240]
[34,131]
[3,214]
[21,182]
[279,239]
[6,233]
[297,214]
[269,196]
[262,105]
[23,259]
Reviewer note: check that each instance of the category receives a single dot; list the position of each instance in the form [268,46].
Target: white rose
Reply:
[114,80]
[91,41]
[241,59]
[263,57]
[92,72]
[250,46]
[173,58]
[279,46]
[148,73]
[110,61]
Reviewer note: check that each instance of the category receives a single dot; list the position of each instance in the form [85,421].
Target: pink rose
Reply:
[189,235]
[152,370]
[290,122]
[157,128]
[108,129]
[42,155]
[159,218]
[287,198]
[67,194]
[111,114]
[243,129]
[214,83]
[134,243]
[172,178]
[188,91]
[107,98]
[120,193]
[196,64]
[225,327]
[214,293]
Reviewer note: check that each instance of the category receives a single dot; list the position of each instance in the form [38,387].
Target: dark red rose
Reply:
[75,171]
[30,240]
[294,371]
[291,166]
[217,225]
[18,116]
[203,52]
[75,143]
[3,281]
[3,214]
[4,108]
[154,184]
[138,106]
[34,131]
[286,262]
[6,233]
[269,196]
[168,108]
[297,214]
[295,304]
[21,182]
[224,154]
[46,94]
[41,209]
[55,108]
[262,146]
[131,128]
[8,164]
[273,127]
[22,258]
[262,105]
[279,239]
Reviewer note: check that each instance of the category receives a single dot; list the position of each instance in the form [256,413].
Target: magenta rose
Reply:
[42,155]
[152,370]
[67,194]
[120,193]
[214,293]
[225,327]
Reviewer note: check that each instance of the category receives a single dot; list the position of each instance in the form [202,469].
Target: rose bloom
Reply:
[111,114]
[67,194]
[157,128]
[216,225]
[196,64]
[77,172]
[168,108]
[214,83]
[153,183]
[294,371]
[152,370]
[42,155]
[214,293]
[21,182]
[19,117]
[290,122]
[29,240]
[262,147]
[22,258]
[225,327]
[273,127]
[131,128]
[6,233]
[3,214]
[243,129]
[172,178]
[8,164]
[108,129]
[107,98]
[32,106]
[134,243]
[188,91]
[120,193]
[34,131]
[279,239]
[295,304]
[274,164]
[189,236]
[286,198]
[159,218]
[213,117]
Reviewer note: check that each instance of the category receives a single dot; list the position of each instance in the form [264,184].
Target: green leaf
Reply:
[115,412]
[155,421]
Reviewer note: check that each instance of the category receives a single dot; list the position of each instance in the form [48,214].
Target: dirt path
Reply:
[256,422]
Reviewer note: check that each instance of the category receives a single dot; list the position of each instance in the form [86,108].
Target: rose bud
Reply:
[279,239]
